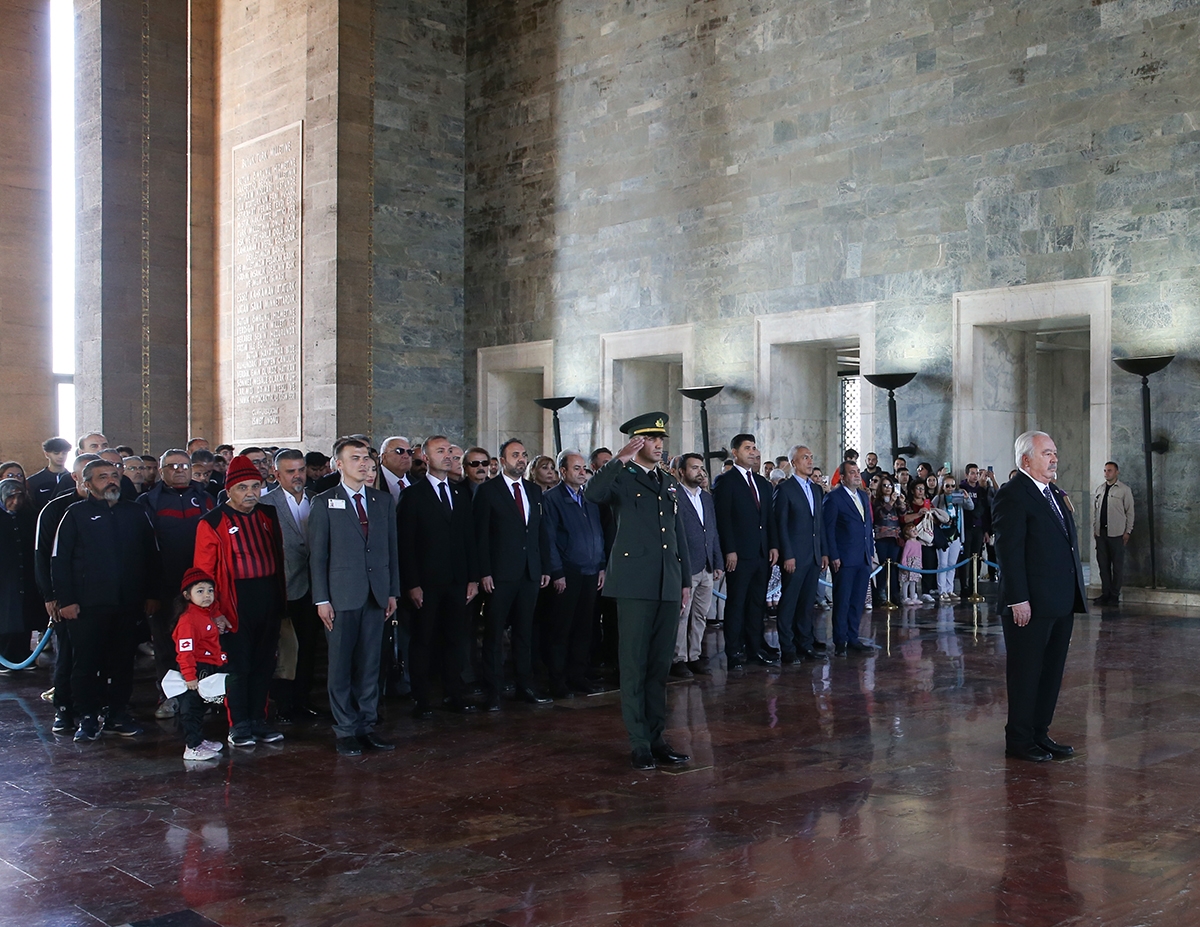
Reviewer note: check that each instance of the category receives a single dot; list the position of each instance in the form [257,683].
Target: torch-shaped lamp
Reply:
[554,404]
[702,394]
[892,382]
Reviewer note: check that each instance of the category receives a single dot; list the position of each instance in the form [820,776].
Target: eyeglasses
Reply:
[477,463]
[177,467]
[402,451]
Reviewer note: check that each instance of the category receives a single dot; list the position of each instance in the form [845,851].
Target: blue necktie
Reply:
[1054,505]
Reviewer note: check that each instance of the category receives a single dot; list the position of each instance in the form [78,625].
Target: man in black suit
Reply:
[438,570]
[746,526]
[802,549]
[511,539]
[1041,589]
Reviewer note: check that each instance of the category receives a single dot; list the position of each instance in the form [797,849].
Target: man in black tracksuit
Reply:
[49,519]
[103,568]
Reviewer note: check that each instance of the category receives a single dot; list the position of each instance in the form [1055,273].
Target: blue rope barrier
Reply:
[931,572]
[989,563]
[37,652]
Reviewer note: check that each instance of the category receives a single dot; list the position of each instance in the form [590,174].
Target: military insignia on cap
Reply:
[649,425]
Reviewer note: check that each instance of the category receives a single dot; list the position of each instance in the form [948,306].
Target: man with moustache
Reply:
[395,459]
[649,574]
[1041,589]
[102,570]
[704,551]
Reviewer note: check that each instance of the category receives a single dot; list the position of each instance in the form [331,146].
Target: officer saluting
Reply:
[649,576]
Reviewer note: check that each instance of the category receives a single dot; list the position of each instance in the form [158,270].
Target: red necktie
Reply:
[520,504]
[362,514]
[753,489]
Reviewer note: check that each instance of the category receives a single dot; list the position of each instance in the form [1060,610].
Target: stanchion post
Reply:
[974,596]
[887,577]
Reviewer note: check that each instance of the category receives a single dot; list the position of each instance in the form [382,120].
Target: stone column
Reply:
[27,411]
[131,247]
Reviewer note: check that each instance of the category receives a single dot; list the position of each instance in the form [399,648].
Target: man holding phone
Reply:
[977,521]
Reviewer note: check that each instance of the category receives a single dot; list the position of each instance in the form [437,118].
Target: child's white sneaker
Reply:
[200,752]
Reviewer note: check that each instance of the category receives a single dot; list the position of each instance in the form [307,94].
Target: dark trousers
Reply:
[746,588]
[605,632]
[308,630]
[191,707]
[103,641]
[648,630]
[570,630]
[510,602]
[887,549]
[251,650]
[162,627]
[1036,656]
[354,645]
[438,629]
[1110,559]
[972,544]
[797,598]
[928,562]
[64,661]
[14,647]
[849,597]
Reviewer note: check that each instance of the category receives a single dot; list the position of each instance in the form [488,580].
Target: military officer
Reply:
[649,576]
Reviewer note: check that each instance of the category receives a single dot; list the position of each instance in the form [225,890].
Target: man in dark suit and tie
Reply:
[438,570]
[649,574]
[801,532]
[746,524]
[850,547]
[511,539]
[355,584]
[1041,589]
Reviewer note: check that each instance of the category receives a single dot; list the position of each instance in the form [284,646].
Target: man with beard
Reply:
[103,565]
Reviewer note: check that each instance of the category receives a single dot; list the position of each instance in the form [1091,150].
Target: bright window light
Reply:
[62,167]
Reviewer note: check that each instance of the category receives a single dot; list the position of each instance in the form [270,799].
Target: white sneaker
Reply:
[213,745]
[200,752]
[168,708]
[927,598]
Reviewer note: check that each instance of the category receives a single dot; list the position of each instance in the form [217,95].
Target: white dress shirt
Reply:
[436,484]
[299,509]
[694,498]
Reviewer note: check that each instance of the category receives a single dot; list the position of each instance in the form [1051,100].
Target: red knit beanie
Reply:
[241,468]
[192,576]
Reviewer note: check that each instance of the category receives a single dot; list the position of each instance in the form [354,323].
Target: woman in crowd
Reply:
[953,503]
[887,505]
[542,471]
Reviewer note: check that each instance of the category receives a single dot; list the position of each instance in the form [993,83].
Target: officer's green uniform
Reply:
[647,571]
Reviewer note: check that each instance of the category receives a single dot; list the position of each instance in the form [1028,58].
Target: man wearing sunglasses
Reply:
[396,458]
[475,467]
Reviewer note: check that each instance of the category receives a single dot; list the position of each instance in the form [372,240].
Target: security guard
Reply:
[649,576]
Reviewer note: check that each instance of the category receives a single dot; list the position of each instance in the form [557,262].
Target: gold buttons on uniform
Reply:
[664,547]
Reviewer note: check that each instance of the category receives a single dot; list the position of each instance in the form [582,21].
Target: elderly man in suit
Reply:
[746,524]
[801,532]
[1041,589]
[704,551]
[438,575]
[649,574]
[355,583]
[512,547]
[850,546]
[300,628]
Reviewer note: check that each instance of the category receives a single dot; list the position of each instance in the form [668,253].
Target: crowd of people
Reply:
[453,577]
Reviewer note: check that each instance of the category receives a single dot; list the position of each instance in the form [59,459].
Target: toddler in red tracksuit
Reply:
[199,654]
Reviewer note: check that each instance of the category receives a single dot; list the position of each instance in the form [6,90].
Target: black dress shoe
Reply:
[772,651]
[1055,749]
[735,660]
[765,659]
[839,650]
[789,658]
[371,742]
[461,706]
[860,647]
[680,671]
[422,713]
[819,645]
[699,668]
[808,652]
[642,759]
[526,694]
[668,757]
[1101,600]
[349,746]
[1033,753]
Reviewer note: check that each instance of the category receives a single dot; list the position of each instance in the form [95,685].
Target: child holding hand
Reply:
[199,654]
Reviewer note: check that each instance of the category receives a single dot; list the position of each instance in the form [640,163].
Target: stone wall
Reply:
[653,163]
[417,337]
[27,413]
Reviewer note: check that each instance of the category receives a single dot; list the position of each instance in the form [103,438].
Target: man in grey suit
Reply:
[300,628]
[355,583]
[801,532]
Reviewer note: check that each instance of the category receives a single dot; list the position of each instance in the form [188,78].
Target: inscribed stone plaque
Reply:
[266,288]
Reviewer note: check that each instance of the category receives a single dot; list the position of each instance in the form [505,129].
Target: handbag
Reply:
[924,532]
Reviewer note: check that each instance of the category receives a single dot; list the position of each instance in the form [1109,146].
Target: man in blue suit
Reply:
[801,530]
[850,545]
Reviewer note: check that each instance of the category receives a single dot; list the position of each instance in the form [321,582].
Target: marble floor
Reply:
[853,791]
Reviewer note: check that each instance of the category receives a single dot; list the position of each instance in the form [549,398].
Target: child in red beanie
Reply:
[199,654]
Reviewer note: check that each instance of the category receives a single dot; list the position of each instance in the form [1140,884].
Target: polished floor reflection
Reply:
[853,791]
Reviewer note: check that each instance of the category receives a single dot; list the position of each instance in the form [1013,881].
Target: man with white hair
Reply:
[395,462]
[1041,589]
